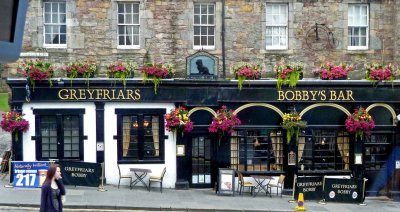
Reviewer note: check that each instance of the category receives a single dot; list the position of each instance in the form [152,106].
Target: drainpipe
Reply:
[223,40]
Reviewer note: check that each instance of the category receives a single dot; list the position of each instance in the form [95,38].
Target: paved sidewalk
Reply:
[89,199]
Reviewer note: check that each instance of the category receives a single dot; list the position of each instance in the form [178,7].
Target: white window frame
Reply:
[45,3]
[350,25]
[133,3]
[208,47]
[272,24]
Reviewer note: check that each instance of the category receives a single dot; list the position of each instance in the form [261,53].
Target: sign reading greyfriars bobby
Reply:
[310,186]
[343,190]
[80,173]
[202,65]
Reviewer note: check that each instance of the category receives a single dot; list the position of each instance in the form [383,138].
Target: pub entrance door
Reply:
[200,150]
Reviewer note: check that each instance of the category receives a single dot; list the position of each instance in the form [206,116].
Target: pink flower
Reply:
[225,121]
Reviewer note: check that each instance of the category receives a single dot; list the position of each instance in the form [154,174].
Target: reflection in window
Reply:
[141,137]
[325,150]
[257,150]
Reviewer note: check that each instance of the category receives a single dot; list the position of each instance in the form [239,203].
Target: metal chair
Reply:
[277,185]
[242,184]
[124,176]
[158,179]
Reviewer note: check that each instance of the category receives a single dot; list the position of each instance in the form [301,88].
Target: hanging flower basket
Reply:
[226,121]
[36,71]
[376,72]
[178,121]
[80,70]
[157,71]
[288,74]
[292,123]
[14,122]
[360,123]
[246,71]
[330,71]
[121,70]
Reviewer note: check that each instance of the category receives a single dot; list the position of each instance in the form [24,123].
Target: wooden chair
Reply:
[124,176]
[277,185]
[242,184]
[158,179]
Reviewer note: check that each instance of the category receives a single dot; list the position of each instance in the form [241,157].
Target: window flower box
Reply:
[80,70]
[288,74]
[121,70]
[330,71]
[157,71]
[376,72]
[246,71]
[36,71]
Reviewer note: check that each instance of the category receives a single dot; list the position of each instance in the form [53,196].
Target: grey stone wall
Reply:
[167,31]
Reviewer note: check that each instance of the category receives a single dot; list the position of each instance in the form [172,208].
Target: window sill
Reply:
[276,51]
[359,51]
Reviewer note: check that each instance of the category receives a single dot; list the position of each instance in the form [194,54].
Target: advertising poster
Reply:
[29,174]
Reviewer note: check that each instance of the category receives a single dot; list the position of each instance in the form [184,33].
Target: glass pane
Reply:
[75,140]
[363,41]
[53,154]
[45,154]
[121,30]
[210,30]
[67,154]
[135,40]
[47,18]
[351,21]
[196,19]
[62,18]
[128,8]
[269,41]
[135,30]
[75,146]
[129,40]
[53,140]
[120,8]
[275,30]
[135,19]
[211,19]
[275,40]
[54,18]
[63,29]
[363,31]
[283,41]
[210,9]
[121,18]
[53,146]
[67,140]
[47,39]
[47,7]
[203,30]
[196,30]
[283,31]
[269,31]
[204,40]
[121,40]
[53,133]
[75,154]
[197,9]
[197,40]
[75,132]
[67,147]
[128,19]
[45,147]
[211,40]
[54,7]
[135,8]
[204,19]
[203,9]
[62,7]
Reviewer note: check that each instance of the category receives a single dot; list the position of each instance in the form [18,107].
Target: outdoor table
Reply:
[140,174]
[261,186]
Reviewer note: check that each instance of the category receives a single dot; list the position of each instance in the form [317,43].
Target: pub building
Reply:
[125,126]
[100,120]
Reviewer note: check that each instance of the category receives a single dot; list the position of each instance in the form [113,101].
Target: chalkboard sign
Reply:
[344,190]
[80,173]
[310,186]
[226,181]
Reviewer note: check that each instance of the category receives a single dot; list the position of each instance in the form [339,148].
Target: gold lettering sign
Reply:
[316,95]
[99,94]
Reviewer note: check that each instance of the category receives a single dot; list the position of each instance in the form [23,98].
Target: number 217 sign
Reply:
[29,174]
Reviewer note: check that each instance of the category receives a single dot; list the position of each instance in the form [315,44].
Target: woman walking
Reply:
[52,190]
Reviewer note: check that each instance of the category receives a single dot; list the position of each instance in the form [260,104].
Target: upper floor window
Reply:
[128,25]
[55,27]
[358,26]
[204,26]
[276,26]
[141,135]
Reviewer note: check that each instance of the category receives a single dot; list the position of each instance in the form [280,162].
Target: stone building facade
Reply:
[166,33]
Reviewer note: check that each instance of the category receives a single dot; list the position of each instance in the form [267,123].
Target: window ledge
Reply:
[359,51]
[276,51]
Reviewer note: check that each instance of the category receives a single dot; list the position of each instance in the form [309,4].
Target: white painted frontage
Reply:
[110,144]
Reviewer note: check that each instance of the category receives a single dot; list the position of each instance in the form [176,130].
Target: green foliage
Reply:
[4,102]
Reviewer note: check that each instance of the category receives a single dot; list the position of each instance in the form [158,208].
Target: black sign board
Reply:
[80,173]
[310,186]
[226,181]
[343,190]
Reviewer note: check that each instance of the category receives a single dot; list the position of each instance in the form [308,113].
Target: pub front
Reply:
[124,126]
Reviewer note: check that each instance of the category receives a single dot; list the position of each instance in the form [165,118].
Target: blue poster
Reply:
[29,174]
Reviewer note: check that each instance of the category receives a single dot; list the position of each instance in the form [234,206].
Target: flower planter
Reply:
[340,78]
